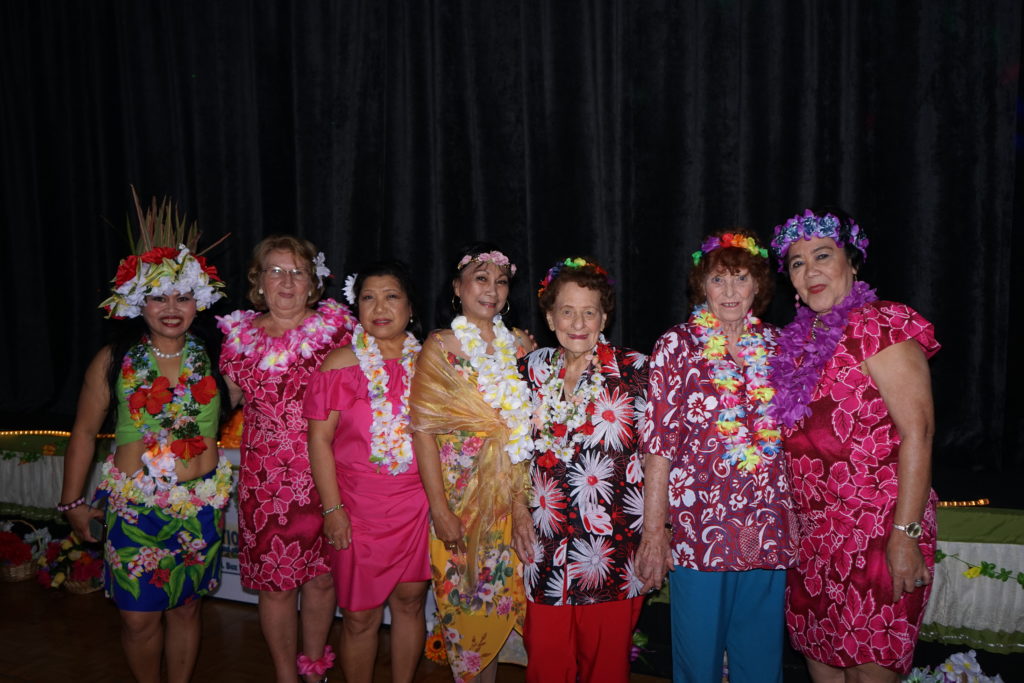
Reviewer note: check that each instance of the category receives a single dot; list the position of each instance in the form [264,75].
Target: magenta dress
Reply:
[839,607]
[389,513]
[280,543]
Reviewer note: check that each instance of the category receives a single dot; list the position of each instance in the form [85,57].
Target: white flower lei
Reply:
[498,380]
[555,409]
[390,441]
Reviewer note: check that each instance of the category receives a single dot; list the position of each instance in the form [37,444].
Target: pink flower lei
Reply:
[805,346]
[743,450]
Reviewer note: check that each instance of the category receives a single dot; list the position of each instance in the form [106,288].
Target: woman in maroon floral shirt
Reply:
[579,537]
[715,465]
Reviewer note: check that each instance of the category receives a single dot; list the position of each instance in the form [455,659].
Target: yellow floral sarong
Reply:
[480,596]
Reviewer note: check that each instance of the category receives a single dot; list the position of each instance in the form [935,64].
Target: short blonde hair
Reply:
[301,248]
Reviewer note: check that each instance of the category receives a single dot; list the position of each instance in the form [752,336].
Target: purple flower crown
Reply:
[808,225]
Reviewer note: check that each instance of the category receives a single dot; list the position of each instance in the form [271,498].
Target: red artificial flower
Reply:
[186,449]
[605,355]
[52,551]
[160,577]
[586,428]
[204,390]
[591,408]
[558,430]
[126,270]
[158,254]
[44,578]
[158,394]
[137,400]
[211,271]
[547,460]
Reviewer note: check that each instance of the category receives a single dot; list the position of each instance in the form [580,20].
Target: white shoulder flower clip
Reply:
[350,289]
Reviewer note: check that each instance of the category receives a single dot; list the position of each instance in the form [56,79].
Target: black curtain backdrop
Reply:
[622,130]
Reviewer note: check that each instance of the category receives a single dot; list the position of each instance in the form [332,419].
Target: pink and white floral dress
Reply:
[280,542]
[844,457]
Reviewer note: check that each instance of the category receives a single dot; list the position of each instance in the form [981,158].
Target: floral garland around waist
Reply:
[181,501]
[743,449]
[498,380]
[390,440]
[562,423]
[173,409]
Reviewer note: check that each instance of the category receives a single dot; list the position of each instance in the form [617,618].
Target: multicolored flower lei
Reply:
[276,354]
[729,239]
[557,418]
[743,450]
[174,409]
[498,380]
[181,501]
[390,440]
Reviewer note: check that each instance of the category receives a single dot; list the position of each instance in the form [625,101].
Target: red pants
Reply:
[589,643]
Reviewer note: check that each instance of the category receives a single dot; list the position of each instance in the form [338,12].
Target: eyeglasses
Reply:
[279,273]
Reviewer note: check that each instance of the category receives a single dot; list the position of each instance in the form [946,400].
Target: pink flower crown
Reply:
[577,262]
[495,257]
[729,239]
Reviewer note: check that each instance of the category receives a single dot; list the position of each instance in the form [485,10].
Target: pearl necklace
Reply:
[165,356]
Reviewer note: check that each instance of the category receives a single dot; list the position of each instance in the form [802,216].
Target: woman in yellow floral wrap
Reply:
[469,409]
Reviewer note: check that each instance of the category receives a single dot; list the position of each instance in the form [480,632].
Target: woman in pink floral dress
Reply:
[853,394]
[268,359]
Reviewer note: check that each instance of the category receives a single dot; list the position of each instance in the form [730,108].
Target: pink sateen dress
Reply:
[389,513]
[844,456]
[281,545]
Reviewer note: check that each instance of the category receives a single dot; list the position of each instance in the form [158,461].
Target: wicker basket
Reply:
[18,572]
[82,587]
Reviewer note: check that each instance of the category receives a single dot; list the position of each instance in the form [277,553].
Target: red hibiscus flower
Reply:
[159,394]
[126,270]
[558,430]
[186,449]
[158,255]
[211,271]
[160,577]
[204,390]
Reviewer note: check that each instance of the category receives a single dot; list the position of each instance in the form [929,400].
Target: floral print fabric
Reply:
[279,522]
[839,607]
[588,513]
[723,518]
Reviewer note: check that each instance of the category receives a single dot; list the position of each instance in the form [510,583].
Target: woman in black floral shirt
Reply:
[578,534]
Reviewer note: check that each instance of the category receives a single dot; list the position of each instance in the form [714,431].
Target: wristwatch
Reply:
[913,529]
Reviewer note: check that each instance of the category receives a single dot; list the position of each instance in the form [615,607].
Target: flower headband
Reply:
[729,239]
[574,263]
[320,267]
[495,257]
[157,270]
[810,225]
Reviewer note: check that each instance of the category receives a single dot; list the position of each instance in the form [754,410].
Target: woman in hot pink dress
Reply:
[853,394]
[375,510]
[268,358]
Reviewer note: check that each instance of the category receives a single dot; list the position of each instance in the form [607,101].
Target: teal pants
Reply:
[738,612]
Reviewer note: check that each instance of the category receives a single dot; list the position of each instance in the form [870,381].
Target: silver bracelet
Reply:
[331,509]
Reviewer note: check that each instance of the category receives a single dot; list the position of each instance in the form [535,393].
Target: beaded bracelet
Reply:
[64,507]
[331,509]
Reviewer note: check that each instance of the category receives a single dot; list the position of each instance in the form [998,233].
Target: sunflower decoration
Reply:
[434,648]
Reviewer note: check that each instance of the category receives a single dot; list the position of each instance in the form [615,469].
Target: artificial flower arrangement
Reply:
[71,563]
[962,667]
[986,569]
[19,553]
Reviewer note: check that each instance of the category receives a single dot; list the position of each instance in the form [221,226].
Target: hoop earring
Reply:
[457,308]
[508,307]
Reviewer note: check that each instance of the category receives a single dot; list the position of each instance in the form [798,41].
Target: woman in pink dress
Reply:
[268,358]
[375,510]
[853,394]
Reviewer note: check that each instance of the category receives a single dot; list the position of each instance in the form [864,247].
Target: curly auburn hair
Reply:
[302,249]
[587,277]
[733,260]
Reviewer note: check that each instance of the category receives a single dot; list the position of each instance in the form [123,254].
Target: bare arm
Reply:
[320,437]
[234,392]
[654,556]
[524,534]
[901,374]
[93,403]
